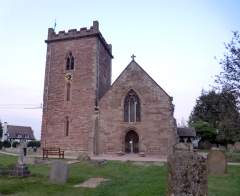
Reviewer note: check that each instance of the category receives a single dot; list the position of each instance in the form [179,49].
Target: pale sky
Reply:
[174,41]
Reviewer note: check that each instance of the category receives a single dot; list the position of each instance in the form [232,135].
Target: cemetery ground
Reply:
[125,179]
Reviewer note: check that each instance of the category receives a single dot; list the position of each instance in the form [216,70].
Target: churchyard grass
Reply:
[125,179]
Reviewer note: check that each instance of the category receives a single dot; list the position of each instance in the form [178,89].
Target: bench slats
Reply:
[53,151]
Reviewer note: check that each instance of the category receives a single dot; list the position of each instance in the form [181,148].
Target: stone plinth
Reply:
[21,170]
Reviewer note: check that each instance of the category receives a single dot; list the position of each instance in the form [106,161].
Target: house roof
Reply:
[186,132]
[20,132]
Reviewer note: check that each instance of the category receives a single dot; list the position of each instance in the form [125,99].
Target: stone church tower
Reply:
[83,112]
[78,73]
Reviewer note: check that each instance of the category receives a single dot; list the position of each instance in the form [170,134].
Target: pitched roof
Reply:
[133,62]
[186,132]
[20,132]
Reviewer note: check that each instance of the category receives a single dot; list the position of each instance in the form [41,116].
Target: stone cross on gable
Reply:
[133,56]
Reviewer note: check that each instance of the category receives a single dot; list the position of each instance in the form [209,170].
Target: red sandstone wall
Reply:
[81,106]
[105,69]
[157,127]
[91,78]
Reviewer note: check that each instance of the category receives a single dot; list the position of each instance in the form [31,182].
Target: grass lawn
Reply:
[126,179]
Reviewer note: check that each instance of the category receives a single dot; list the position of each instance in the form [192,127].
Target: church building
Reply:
[83,111]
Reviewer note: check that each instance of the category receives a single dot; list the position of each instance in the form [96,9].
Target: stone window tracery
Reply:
[70,62]
[132,107]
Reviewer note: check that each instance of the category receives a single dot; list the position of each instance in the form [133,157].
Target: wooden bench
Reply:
[53,151]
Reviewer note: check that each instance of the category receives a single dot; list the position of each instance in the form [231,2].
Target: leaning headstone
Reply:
[187,172]
[217,162]
[59,172]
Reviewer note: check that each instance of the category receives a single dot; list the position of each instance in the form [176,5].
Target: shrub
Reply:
[15,144]
[34,143]
[6,144]
[1,145]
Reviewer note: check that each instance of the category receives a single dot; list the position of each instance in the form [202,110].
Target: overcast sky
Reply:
[174,41]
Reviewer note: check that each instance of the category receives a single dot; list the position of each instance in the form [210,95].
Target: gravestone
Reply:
[21,168]
[21,155]
[59,172]
[217,162]
[187,172]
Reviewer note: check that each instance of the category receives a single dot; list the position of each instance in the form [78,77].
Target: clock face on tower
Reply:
[68,77]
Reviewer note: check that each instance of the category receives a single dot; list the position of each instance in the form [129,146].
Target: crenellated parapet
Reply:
[75,34]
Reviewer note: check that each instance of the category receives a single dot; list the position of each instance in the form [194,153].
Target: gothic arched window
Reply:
[70,62]
[132,107]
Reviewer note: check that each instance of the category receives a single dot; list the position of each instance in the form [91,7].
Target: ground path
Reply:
[124,158]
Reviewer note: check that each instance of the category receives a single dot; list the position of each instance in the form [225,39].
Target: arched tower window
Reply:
[70,62]
[132,107]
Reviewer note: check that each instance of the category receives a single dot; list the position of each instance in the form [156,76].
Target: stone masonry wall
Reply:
[82,100]
[105,69]
[156,129]
[80,109]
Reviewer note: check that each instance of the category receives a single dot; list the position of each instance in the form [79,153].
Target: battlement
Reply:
[75,34]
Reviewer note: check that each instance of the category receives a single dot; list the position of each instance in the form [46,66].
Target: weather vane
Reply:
[55,24]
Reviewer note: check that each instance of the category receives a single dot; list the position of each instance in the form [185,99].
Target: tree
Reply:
[6,144]
[229,78]
[34,143]
[205,131]
[216,111]
[1,130]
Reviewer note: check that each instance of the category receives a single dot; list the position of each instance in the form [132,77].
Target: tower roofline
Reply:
[72,34]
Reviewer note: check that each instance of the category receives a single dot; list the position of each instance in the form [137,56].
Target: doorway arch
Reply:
[131,142]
